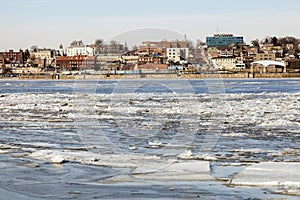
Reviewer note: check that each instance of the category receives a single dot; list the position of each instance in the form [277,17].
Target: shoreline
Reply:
[245,75]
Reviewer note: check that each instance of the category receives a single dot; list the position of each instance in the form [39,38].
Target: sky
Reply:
[49,23]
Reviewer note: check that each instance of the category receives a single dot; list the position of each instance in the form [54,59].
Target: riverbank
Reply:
[161,76]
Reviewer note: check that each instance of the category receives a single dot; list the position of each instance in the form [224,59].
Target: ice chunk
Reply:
[187,154]
[177,171]
[279,176]
[155,144]
[145,167]
[57,159]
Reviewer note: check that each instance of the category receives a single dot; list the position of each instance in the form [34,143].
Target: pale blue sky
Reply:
[48,23]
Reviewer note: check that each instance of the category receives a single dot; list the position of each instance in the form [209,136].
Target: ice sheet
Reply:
[144,167]
[281,177]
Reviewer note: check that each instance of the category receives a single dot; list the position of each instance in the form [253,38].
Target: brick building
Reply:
[79,62]
[12,57]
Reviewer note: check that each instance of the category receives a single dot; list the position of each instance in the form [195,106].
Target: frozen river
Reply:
[143,139]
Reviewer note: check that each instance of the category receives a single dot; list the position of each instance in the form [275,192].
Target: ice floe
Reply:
[144,167]
[282,177]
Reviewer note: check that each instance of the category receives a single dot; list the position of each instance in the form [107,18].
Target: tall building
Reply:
[177,54]
[221,40]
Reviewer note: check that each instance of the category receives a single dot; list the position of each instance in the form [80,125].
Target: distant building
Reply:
[221,40]
[45,57]
[61,51]
[113,48]
[293,65]
[153,67]
[289,46]
[216,52]
[265,56]
[12,57]
[226,63]
[79,62]
[145,58]
[177,54]
[79,48]
[167,44]
[268,66]
[150,49]
[252,51]
[130,59]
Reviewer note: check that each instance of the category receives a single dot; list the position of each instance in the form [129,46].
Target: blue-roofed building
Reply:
[222,40]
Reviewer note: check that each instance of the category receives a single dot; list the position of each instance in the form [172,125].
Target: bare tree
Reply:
[274,41]
[135,47]
[288,40]
[267,40]
[32,60]
[99,43]
[26,55]
[255,43]
[114,46]
[77,43]
[34,48]
[199,43]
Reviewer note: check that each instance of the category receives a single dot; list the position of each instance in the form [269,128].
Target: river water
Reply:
[144,139]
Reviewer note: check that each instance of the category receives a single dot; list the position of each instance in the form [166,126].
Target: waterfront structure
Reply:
[293,65]
[79,48]
[221,40]
[268,66]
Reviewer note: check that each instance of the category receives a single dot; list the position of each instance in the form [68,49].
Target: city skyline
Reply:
[49,23]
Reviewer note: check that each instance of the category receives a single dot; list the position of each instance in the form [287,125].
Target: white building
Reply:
[177,54]
[224,63]
[78,48]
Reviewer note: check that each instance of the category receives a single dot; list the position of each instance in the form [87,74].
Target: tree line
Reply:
[275,41]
